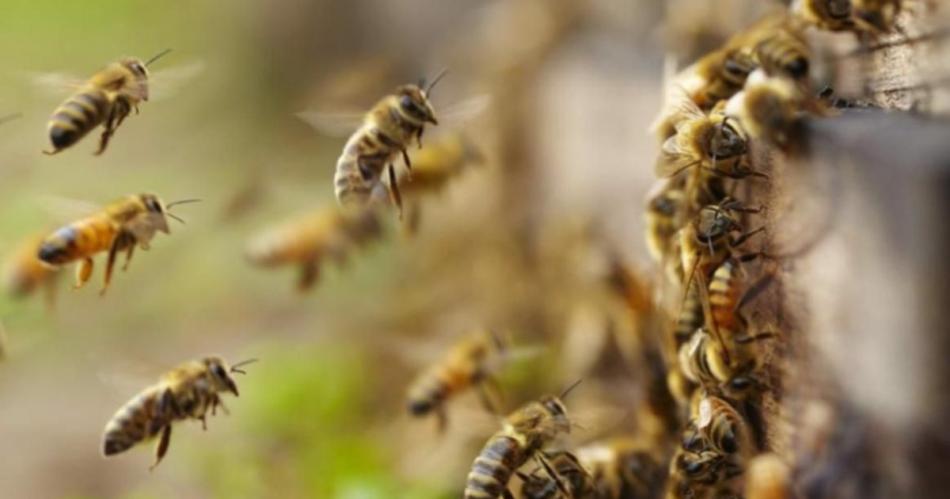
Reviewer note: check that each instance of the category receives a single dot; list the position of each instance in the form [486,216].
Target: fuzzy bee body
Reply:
[309,239]
[394,124]
[189,391]
[466,365]
[523,436]
[25,272]
[107,98]
[121,226]
[567,466]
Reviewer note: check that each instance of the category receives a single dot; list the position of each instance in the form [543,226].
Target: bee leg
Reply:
[83,272]
[309,272]
[553,474]
[419,136]
[745,237]
[405,158]
[218,402]
[204,422]
[394,189]
[489,392]
[110,262]
[109,130]
[128,257]
[162,447]
[442,420]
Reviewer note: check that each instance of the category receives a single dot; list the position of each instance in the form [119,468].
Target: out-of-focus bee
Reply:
[664,206]
[768,477]
[780,49]
[831,15]
[876,16]
[700,475]
[390,127]
[470,363]
[623,467]
[121,226]
[574,477]
[769,108]
[432,168]
[25,272]
[308,239]
[719,427]
[187,392]
[107,98]
[524,435]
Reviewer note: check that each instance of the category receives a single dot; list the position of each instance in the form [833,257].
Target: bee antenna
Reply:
[569,389]
[236,367]
[11,117]
[175,217]
[436,80]
[157,56]
[182,201]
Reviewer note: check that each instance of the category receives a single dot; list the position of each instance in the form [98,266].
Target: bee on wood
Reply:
[189,391]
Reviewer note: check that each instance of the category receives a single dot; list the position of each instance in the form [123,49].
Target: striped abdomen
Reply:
[493,468]
[726,429]
[436,385]
[78,240]
[139,419]
[690,317]
[77,116]
[723,297]
[359,170]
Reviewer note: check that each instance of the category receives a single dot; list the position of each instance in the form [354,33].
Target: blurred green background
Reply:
[322,414]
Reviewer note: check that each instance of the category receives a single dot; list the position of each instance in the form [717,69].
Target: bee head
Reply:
[555,409]
[414,102]
[726,142]
[155,208]
[140,72]
[715,222]
[221,373]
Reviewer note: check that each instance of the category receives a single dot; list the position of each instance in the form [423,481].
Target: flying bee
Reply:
[308,239]
[539,484]
[107,98]
[623,467]
[769,108]
[123,225]
[187,392]
[25,273]
[523,436]
[470,363]
[389,129]
[830,15]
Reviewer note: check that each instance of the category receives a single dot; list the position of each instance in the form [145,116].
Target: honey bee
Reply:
[781,50]
[308,239]
[721,428]
[830,15]
[187,392]
[769,108]
[623,467]
[664,208]
[708,142]
[107,98]
[768,477]
[25,273]
[469,363]
[523,436]
[390,127]
[120,226]
[700,475]
[567,467]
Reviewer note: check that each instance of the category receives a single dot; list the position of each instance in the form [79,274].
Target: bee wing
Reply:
[332,124]
[464,111]
[673,159]
[53,84]
[167,82]
[65,210]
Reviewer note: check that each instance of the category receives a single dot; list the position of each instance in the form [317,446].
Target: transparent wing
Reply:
[332,124]
[53,84]
[166,83]
[64,209]
[464,111]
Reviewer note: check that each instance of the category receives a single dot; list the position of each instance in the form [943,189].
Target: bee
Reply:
[768,477]
[769,108]
[567,467]
[664,207]
[123,225]
[390,127]
[781,50]
[623,467]
[187,392]
[830,15]
[523,436]
[308,239]
[25,273]
[721,428]
[469,363]
[699,475]
[107,98]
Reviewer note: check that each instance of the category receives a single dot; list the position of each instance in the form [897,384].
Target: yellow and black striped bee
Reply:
[770,108]
[107,98]
[470,363]
[524,435]
[830,15]
[123,225]
[664,207]
[25,273]
[187,392]
[574,477]
[390,127]
[328,232]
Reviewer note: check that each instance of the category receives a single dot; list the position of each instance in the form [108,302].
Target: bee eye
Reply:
[406,102]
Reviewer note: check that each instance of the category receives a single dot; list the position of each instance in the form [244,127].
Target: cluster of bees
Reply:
[755,88]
